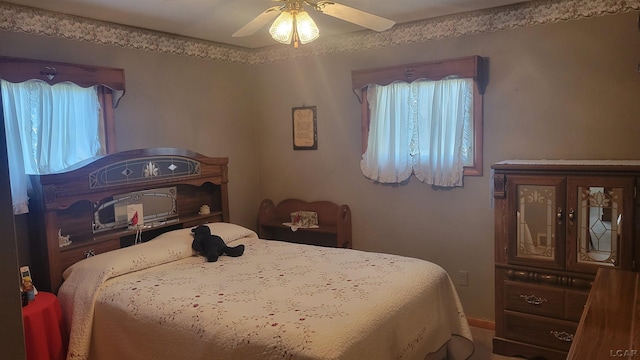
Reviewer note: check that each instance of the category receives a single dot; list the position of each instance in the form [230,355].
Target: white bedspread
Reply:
[277,301]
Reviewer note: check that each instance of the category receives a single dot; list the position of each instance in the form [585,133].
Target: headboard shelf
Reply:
[88,204]
[84,239]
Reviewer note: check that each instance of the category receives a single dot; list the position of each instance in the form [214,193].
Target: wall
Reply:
[11,330]
[564,90]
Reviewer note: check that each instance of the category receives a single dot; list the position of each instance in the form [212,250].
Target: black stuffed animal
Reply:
[212,246]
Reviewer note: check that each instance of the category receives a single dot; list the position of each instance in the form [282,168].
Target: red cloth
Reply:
[44,333]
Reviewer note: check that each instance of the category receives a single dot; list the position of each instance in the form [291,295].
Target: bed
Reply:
[159,300]
[277,301]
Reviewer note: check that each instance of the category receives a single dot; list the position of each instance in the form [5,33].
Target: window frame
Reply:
[110,82]
[464,67]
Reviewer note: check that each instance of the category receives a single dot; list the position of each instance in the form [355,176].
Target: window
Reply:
[55,115]
[410,119]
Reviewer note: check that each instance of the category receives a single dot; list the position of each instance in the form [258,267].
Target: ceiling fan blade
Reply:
[258,22]
[359,17]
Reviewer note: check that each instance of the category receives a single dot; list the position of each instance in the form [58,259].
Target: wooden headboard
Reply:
[65,204]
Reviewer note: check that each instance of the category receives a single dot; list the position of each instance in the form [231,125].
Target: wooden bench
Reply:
[334,223]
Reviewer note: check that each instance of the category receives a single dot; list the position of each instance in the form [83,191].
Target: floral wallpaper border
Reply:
[34,21]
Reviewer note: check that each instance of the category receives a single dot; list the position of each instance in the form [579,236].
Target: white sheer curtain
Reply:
[49,128]
[388,156]
[423,127]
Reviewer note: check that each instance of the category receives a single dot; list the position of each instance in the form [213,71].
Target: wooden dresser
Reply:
[610,324]
[556,224]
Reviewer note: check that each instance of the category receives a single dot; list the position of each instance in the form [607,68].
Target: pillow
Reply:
[170,246]
[231,232]
[167,247]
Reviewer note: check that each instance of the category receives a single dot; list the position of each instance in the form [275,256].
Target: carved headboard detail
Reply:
[64,205]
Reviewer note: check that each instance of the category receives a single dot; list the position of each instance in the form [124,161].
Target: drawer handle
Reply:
[533,300]
[562,335]
[89,253]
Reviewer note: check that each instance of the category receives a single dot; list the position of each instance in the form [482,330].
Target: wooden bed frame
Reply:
[64,204]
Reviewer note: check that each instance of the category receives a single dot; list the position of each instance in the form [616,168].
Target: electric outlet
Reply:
[463,278]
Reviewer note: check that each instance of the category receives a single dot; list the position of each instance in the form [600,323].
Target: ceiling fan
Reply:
[293,23]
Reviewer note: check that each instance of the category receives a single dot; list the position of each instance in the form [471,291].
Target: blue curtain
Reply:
[49,128]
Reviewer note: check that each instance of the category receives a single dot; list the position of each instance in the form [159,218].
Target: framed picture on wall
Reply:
[305,133]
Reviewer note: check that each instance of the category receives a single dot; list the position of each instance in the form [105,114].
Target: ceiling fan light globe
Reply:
[282,28]
[306,27]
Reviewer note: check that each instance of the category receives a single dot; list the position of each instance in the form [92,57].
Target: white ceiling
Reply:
[217,20]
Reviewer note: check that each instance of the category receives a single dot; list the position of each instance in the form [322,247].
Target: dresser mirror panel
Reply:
[600,223]
[536,222]
[599,218]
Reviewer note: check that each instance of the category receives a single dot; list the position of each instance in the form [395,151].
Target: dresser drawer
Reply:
[537,330]
[575,301]
[534,299]
[69,257]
